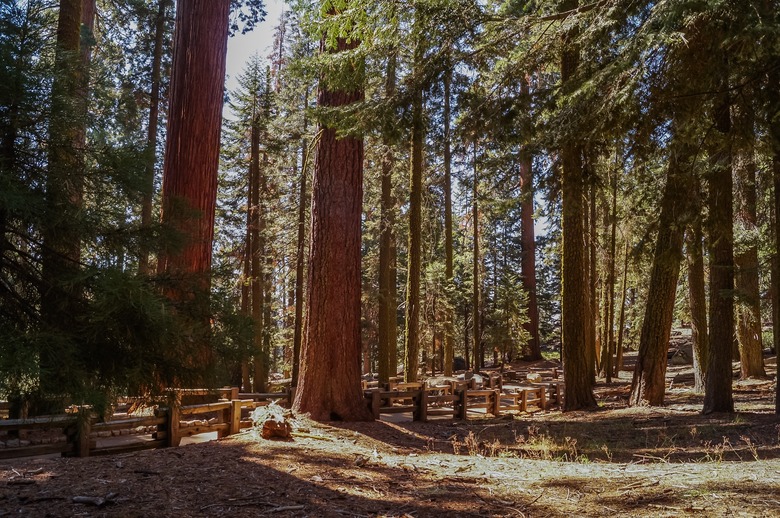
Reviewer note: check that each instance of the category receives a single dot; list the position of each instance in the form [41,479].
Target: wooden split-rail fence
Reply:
[456,399]
[80,433]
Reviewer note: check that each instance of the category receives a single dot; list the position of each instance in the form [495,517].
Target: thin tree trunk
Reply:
[449,329]
[151,134]
[748,304]
[697,299]
[622,319]
[648,386]
[412,336]
[592,310]
[388,325]
[610,334]
[528,245]
[479,356]
[260,376]
[300,260]
[329,385]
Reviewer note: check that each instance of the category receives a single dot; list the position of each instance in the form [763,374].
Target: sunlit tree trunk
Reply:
[329,383]
[449,326]
[648,386]
[191,161]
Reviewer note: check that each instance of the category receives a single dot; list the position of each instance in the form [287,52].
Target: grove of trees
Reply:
[398,188]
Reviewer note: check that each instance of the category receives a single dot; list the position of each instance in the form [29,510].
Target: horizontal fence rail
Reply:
[82,434]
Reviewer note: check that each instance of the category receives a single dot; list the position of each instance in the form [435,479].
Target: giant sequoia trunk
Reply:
[329,383]
[648,386]
[577,370]
[61,251]
[191,160]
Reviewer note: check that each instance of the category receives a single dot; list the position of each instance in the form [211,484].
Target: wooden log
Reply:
[401,409]
[124,424]
[55,421]
[189,431]
[40,449]
[204,408]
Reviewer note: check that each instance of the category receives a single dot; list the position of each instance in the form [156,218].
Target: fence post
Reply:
[543,397]
[462,404]
[173,437]
[235,417]
[496,403]
[290,396]
[376,403]
[83,429]
[421,412]
[234,391]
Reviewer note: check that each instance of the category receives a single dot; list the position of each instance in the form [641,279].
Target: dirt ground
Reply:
[618,461]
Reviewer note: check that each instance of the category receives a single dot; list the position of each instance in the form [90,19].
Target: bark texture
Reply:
[718,396]
[412,335]
[748,293]
[152,130]
[577,370]
[697,300]
[449,327]
[388,326]
[648,386]
[329,383]
[61,253]
[189,189]
[528,244]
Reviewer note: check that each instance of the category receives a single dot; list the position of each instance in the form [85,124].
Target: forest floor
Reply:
[620,461]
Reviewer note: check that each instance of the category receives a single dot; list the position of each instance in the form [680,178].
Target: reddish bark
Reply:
[192,155]
[329,383]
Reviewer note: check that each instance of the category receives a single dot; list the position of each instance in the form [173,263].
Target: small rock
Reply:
[12,443]
[104,433]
